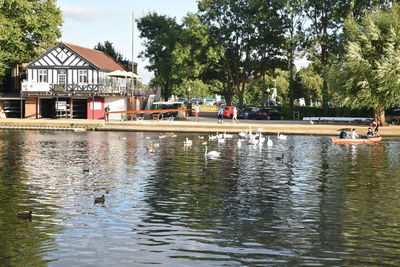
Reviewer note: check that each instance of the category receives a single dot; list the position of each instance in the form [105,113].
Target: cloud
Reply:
[78,13]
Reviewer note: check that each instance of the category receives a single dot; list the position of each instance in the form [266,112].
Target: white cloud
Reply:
[78,13]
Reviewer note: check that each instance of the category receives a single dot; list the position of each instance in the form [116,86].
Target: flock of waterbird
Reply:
[255,139]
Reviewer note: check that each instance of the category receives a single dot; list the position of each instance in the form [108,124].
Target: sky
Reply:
[88,22]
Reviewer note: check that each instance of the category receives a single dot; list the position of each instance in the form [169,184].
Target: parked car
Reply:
[209,101]
[272,102]
[196,100]
[182,99]
[393,116]
[248,113]
[228,112]
[269,114]
[221,102]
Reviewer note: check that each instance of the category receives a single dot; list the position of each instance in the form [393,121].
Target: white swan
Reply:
[281,136]
[261,139]
[243,134]
[239,143]
[228,135]
[212,137]
[269,142]
[187,142]
[211,154]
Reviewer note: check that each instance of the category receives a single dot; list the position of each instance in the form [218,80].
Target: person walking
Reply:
[234,115]
[197,111]
[106,113]
[220,114]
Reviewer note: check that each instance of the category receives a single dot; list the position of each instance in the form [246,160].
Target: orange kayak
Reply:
[357,141]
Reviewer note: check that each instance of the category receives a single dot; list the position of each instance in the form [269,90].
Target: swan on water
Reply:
[211,154]
[269,142]
[281,136]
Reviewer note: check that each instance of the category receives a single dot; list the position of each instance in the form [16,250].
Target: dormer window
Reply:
[83,76]
[42,76]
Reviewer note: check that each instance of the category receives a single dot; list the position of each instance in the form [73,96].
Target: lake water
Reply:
[322,205]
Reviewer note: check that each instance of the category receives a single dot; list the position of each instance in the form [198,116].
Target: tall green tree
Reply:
[250,31]
[294,35]
[27,28]
[309,85]
[160,34]
[194,54]
[324,35]
[325,32]
[369,76]
[108,48]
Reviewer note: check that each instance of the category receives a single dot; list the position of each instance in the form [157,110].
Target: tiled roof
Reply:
[96,57]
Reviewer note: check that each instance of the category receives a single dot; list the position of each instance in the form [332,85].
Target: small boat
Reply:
[357,140]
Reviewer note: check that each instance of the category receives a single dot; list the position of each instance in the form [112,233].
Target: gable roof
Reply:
[98,58]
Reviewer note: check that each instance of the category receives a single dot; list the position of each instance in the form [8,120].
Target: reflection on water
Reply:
[322,204]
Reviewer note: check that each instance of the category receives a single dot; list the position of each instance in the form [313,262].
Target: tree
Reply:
[295,21]
[251,33]
[325,32]
[309,85]
[194,54]
[369,76]
[27,28]
[109,49]
[161,34]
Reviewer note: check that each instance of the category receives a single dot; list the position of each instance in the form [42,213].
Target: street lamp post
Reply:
[268,90]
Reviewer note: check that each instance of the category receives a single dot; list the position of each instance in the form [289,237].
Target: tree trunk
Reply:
[379,114]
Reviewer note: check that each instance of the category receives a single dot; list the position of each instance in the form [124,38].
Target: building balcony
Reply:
[98,89]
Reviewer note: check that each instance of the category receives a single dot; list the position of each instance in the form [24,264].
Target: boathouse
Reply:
[70,81]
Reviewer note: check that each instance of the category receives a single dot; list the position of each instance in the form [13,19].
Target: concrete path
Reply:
[205,125]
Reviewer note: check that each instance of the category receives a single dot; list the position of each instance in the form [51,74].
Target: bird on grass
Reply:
[24,214]
[99,200]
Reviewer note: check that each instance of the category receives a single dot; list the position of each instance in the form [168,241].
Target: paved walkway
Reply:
[204,126]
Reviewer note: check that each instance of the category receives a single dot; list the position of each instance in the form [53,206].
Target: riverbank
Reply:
[268,127]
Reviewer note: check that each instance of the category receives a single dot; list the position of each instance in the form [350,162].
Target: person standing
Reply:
[220,114]
[197,111]
[106,112]
[376,124]
[234,115]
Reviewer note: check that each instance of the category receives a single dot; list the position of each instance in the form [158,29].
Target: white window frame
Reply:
[82,76]
[59,80]
[42,76]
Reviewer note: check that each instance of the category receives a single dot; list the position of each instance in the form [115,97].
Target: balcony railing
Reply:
[115,89]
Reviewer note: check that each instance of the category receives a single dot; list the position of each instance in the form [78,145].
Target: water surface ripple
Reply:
[322,205]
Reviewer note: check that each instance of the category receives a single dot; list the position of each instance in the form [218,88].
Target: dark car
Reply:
[196,100]
[248,113]
[269,114]
[393,116]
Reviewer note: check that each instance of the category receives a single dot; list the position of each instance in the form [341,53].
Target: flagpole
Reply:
[133,50]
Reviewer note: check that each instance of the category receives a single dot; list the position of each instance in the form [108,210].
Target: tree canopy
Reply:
[109,49]
[27,28]
[369,75]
